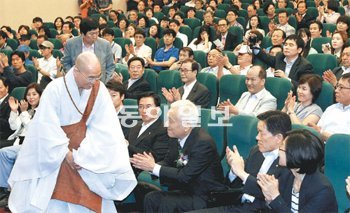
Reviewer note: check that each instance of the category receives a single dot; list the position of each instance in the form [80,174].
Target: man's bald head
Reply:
[87,70]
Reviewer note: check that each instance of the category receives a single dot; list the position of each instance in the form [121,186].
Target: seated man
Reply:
[192,90]
[117,92]
[140,49]
[289,64]
[185,53]
[67,28]
[244,61]
[231,17]
[263,158]
[3,41]
[332,76]
[26,50]
[149,135]
[167,55]
[192,174]
[5,130]
[336,118]
[16,75]
[214,59]
[136,85]
[283,23]
[227,39]
[277,38]
[256,100]
[108,34]
[175,25]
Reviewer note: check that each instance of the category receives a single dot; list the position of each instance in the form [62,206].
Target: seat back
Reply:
[12,43]
[151,42]
[168,79]
[279,88]
[301,126]
[337,167]
[231,56]
[192,22]
[57,53]
[122,42]
[117,32]
[317,43]
[238,32]
[200,57]
[33,44]
[326,97]
[151,76]
[187,31]
[18,93]
[210,81]
[231,87]
[34,72]
[328,27]
[322,62]
[57,44]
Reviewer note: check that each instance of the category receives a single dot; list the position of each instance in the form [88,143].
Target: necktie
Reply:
[223,40]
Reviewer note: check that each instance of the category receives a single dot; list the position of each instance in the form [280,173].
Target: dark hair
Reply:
[19,54]
[194,64]
[203,28]
[344,37]
[333,5]
[123,19]
[56,19]
[4,81]
[262,72]
[43,36]
[234,11]
[301,2]
[276,46]
[78,17]
[284,35]
[344,19]
[136,59]
[169,32]
[38,19]
[283,11]
[299,42]
[69,17]
[88,24]
[116,86]
[304,151]
[108,31]
[319,24]
[346,77]
[179,14]
[267,7]
[70,24]
[37,88]
[300,33]
[187,49]
[26,27]
[277,122]
[174,21]
[258,34]
[259,22]
[140,32]
[46,30]
[315,83]
[157,35]
[153,95]
[3,34]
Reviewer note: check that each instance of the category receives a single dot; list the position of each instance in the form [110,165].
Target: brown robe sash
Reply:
[70,187]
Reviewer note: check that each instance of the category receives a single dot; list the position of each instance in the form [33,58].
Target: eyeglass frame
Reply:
[340,87]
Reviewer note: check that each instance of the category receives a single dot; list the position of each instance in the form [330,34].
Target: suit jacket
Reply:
[305,22]
[202,173]
[127,121]
[316,194]
[231,41]
[300,67]
[5,110]
[154,139]
[338,72]
[137,88]
[102,49]
[266,102]
[199,95]
[252,167]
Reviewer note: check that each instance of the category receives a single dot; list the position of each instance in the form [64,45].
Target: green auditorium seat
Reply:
[337,167]
[168,79]
[192,22]
[326,97]
[34,72]
[151,76]
[328,27]
[151,42]
[210,81]
[231,87]
[322,62]
[279,88]
[201,58]
[317,43]
[187,31]
[122,42]
[18,93]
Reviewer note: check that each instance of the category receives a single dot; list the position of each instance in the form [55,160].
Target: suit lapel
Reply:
[192,93]
[134,84]
[190,140]
[134,132]
[294,67]
[147,132]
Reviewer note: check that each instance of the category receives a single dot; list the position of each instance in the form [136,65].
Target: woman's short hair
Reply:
[304,150]
[315,83]
[34,86]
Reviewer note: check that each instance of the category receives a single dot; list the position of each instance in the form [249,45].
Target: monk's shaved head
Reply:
[87,62]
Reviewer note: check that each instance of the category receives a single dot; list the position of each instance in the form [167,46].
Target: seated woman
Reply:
[202,41]
[338,43]
[254,24]
[153,32]
[305,34]
[19,119]
[305,111]
[305,189]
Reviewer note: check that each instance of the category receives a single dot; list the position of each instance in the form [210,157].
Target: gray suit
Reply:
[264,103]
[102,50]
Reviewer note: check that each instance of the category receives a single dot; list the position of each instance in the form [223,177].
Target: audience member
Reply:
[140,49]
[89,42]
[256,100]
[175,25]
[184,53]
[228,41]
[231,17]
[343,25]
[315,29]
[192,174]
[304,33]
[5,130]
[301,15]
[338,42]
[283,23]
[254,24]
[3,41]
[305,111]
[277,38]
[215,67]
[244,61]
[328,14]
[108,34]
[191,90]
[332,76]
[202,42]
[104,6]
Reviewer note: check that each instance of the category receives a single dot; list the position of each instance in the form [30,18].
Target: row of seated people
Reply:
[150,135]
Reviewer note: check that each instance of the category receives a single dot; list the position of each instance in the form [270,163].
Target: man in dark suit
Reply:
[289,64]
[332,76]
[303,18]
[149,135]
[228,40]
[136,85]
[263,158]
[192,90]
[192,174]
[5,130]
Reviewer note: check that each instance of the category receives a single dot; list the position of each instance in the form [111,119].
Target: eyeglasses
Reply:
[282,150]
[184,70]
[90,79]
[341,87]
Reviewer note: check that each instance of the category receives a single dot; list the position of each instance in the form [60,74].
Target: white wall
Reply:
[16,12]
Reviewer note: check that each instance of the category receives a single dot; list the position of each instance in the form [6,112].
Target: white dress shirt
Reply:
[336,119]
[187,89]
